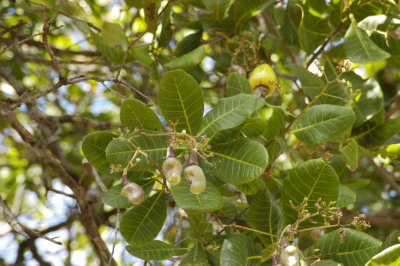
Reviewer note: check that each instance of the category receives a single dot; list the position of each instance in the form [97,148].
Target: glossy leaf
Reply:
[94,148]
[207,201]
[142,223]
[136,114]
[229,113]
[181,100]
[156,250]
[313,179]
[322,123]
[360,48]
[237,84]
[357,248]
[239,162]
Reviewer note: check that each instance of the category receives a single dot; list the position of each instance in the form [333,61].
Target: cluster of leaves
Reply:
[282,170]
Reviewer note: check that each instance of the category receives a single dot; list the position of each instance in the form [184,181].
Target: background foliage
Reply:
[78,77]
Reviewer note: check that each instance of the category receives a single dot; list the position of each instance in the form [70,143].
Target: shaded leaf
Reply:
[196,257]
[375,135]
[237,84]
[156,250]
[313,179]
[113,34]
[136,114]
[350,155]
[234,251]
[357,248]
[94,148]
[346,196]
[265,215]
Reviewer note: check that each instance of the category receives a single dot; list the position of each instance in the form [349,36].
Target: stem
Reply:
[250,229]
[193,160]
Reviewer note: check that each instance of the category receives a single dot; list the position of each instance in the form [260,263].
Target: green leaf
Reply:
[141,54]
[181,100]
[114,54]
[187,61]
[254,127]
[357,248]
[189,43]
[275,121]
[377,135]
[326,263]
[219,7]
[207,201]
[136,114]
[313,179]
[113,34]
[94,148]
[142,223]
[265,215]
[120,151]
[156,250]
[387,257]
[166,31]
[360,48]
[369,102]
[115,199]
[234,251]
[322,123]
[392,239]
[239,162]
[350,155]
[252,187]
[237,84]
[229,113]
[312,31]
[346,196]
[310,83]
[196,257]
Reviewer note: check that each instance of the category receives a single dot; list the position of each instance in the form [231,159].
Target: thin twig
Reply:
[115,236]
[152,24]
[11,220]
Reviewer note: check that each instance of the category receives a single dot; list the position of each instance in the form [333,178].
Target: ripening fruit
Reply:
[196,178]
[393,150]
[290,256]
[263,80]
[172,169]
[133,192]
